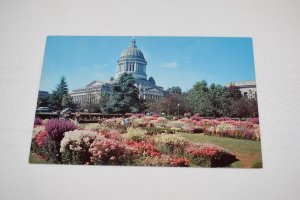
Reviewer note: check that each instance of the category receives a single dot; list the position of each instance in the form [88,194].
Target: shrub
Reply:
[223,119]
[155,115]
[140,149]
[138,122]
[192,129]
[45,121]
[254,120]
[39,138]
[157,161]
[55,128]
[170,144]
[187,114]
[176,125]
[235,129]
[207,123]
[113,123]
[108,152]
[112,134]
[169,117]
[36,130]
[208,155]
[75,145]
[179,162]
[163,161]
[135,134]
[55,132]
[159,122]
[38,121]
[96,127]
[158,130]
[196,117]
[223,129]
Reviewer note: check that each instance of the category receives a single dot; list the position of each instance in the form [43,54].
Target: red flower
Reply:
[41,138]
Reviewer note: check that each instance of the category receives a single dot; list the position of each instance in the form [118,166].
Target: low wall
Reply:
[94,117]
[84,116]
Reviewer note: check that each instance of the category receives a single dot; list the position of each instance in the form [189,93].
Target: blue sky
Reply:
[172,61]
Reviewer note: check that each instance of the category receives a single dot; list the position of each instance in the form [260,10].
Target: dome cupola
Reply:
[132,61]
[132,51]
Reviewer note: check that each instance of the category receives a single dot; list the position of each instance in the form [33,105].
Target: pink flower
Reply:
[112,158]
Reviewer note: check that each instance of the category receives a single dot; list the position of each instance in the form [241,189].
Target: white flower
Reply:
[78,138]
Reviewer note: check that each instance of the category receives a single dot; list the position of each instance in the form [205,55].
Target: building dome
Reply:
[132,61]
[132,51]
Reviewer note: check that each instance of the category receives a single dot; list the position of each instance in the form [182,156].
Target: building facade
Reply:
[43,93]
[131,61]
[247,88]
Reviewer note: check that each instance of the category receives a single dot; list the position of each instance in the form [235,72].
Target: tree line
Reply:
[208,100]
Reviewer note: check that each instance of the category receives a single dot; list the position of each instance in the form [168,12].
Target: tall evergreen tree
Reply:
[124,97]
[56,97]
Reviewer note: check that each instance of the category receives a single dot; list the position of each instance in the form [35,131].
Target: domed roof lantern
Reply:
[133,42]
[132,51]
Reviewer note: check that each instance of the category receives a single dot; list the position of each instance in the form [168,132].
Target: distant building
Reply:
[247,88]
[91,92]
[131,61]
[43,93]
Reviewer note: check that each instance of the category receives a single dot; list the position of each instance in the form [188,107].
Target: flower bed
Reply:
[208,155]
[234,129]
[103,144]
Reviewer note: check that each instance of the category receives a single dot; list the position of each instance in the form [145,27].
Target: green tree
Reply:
[56,97]
[124,97]
[220,100]
[43,101]
[174,90]
[234,91]
[103,101]
[173,104]
[253,107]
[198,99]
[67,102]
[151,80]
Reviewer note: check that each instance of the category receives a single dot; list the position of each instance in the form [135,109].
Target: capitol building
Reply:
[131,61]
[247,88]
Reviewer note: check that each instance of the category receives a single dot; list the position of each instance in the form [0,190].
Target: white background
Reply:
[274,26]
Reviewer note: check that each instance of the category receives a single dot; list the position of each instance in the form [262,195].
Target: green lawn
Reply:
[247,151]
[36,160]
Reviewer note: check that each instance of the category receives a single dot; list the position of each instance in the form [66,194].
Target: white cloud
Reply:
[169,64]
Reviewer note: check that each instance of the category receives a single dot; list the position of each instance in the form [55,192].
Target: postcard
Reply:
[147,101]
